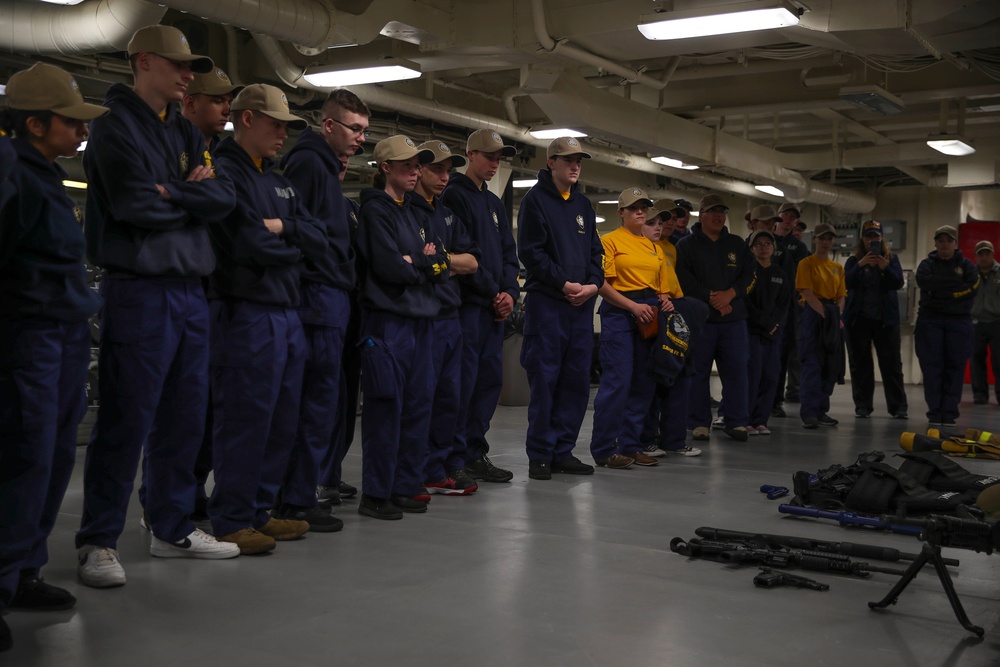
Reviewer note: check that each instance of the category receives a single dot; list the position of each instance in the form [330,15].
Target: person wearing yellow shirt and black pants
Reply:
[637,285]
[820,282]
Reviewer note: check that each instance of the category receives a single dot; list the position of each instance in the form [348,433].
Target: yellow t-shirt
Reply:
[824,277]
[669,251]
[634,263]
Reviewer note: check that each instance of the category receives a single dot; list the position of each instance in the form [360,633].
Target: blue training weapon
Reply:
[851,519]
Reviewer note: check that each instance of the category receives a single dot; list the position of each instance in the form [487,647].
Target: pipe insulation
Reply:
[94,26]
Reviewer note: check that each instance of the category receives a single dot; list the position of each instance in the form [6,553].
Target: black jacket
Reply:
[767,304]
[450,232]
[886,284]
[947,287]
[704,265]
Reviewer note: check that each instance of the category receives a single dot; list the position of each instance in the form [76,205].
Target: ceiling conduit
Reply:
[96,26]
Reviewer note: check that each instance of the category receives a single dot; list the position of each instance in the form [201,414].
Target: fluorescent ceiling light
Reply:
[872,98]
[525,182]
[608,201]
[229,126]
[83,147]
[76,185]
[770,189]
[671,162]
[379,71]
[63,2]
[599,219]
[3,89]
[949,144]
[718,20]
[555,133]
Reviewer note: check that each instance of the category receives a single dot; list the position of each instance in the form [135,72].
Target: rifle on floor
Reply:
[851,519]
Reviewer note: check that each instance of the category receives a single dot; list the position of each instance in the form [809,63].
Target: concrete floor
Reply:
[569,572]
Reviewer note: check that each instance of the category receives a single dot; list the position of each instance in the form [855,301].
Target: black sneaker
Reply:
[826,420]
[6,637]
[346,490]
[328,496]
[539,470]
[36,595]
[572,466]
[463,480]
[810,422]
[948,422]
[378,508]
[778,411]
[861,413]
[900,414]
[408,504]
[319,519]
[482,468]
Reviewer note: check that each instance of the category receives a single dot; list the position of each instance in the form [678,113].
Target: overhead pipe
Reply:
[97,26]
[305,22]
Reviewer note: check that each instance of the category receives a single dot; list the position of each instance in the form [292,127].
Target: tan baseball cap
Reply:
[565,146]
[711,201]
[170,43]
[215,82]
[269,101]
[823,229]
[789,206]
[763,212]
[489,141]
[664,208]
[400,147]
[630,196]
[983,245]
[757,234]
[947,230]
[44,87]
[441,153]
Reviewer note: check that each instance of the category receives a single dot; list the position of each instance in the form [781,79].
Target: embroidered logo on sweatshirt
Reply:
[184,163]
[579,223]
[496,221]
[284,193]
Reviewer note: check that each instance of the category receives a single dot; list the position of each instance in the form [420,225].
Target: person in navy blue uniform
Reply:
[718,268]
[788,252]
[562,256]
[444,470]
[150,199]
[45,304]
[401,263]
[313,166]
[258,345]
[874,277]
[681,214]
[942,338]
[488,297]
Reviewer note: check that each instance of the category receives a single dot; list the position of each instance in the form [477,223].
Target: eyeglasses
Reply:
[355,130]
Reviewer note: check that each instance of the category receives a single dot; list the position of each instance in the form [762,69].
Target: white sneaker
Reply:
[719,423]
[685,451]
[99,567]
[198,544]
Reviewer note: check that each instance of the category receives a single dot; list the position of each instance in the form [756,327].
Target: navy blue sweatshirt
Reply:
[767,304]
[449,229]
[557,239]
[386,232]
[130,227]
[313,168]
[878,288]
[704,266]
[486,221]
[788,252]
[947,287]
[253,263]
[41,243]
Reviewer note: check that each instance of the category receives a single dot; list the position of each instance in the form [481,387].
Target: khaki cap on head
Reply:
[44,87]
[947,230]
[823,229]
[442,153]
[215,82]
[711,201]
[983,245]
[630,196]
[269,101]
[760,232]
[789,206]
[400,147]
[763,212]
[801,226]
[489,141]
[664,208]
[170,43]
[871,227]
[565,146]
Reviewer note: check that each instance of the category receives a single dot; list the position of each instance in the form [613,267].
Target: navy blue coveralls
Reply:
[448,228]
[258,344]
[482,353]
[788,252]
[942,338]
[557,242]
[767,308]
[399,305]
[153,365]
[325,311]
[44,307]
[704,265]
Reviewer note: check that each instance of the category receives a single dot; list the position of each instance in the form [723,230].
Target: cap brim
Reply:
[220,90]
[294,122]
[508,151]
[945,234]
[649,202]
[580,153]
[82,111]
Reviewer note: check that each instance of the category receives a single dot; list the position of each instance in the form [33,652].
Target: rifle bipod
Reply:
[932,553]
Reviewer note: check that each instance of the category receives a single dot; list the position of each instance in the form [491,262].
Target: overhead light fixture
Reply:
[949,144]
[76,185]
[719,20]
[63,2]
[555,133]
[608,201]
[229,127]
[671,162]
[357,74]
[3,89]
[872,98]
[770,189]
[598,219]
[525,183]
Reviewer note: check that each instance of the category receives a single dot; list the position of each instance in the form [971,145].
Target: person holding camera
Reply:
[871,318]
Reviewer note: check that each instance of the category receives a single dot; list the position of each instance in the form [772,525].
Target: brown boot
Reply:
[249,541]
[642,459]
[284,529]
